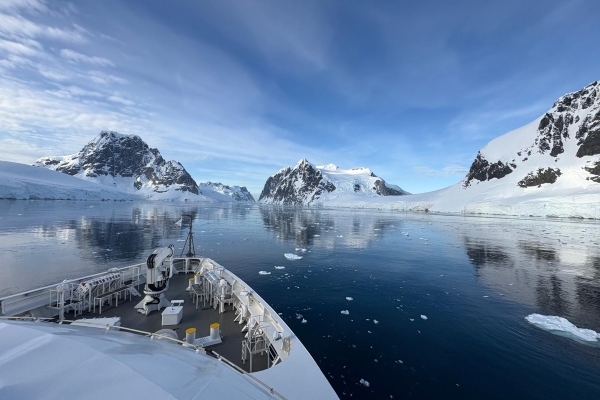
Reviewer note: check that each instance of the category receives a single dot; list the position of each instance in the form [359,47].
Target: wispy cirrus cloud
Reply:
[73,56]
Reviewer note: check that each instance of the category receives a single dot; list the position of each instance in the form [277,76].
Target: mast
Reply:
[189,241]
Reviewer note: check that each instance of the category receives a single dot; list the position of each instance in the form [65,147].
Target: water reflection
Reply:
[325,229]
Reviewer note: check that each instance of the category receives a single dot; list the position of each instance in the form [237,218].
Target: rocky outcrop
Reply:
[307,184]
[594,169]
[539,177]
[483,170]
[113,155]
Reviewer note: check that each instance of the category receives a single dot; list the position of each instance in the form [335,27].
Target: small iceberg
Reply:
[264,273]
[349,298]
[375,321]
[424,317]
[304,321]
[279,267]
[345,312]
[365,383]
[292,256]
[561,326]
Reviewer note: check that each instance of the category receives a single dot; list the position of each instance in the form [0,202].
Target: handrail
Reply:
[196,348]
[44,288]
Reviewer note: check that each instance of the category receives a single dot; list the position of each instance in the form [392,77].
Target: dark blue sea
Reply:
[439,301]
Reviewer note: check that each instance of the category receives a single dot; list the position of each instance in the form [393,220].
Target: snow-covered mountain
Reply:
[309,184]
[125,162]
[25,182]
[226,193]
[549,167]
[558,146]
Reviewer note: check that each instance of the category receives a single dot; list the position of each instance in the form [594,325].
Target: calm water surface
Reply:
[473,278]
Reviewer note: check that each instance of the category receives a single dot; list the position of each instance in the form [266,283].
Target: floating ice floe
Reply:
[340,236]
[405,233]
[375,321]
[316,235]
[345,312]
[298,316]
[304,321]
[424,317]
[561,326]
[279,267]
[365,383]
[349,298]
[264,273]
[292,256]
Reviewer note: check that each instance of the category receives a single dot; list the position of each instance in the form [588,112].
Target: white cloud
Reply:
[105,79]
[14,26]
[76,57]
[17,48]
[118,99]
[28,5]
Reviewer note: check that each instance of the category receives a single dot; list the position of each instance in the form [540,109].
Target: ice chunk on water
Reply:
[279,267]
[300,249]
[264,273]
[562,326]
[375,321]
[345,312]
[424,317]
[349,298]
[292,256]
[304,321]
[365,383]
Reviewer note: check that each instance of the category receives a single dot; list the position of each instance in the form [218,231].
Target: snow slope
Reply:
[221,192]
[310,184]
[25,182]
[549,167]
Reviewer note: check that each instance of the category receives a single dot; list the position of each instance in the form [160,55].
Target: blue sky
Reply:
[235,90]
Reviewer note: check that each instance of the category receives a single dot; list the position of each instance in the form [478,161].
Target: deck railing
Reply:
[31,299]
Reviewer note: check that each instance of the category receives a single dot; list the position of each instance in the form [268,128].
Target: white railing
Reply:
[32,299]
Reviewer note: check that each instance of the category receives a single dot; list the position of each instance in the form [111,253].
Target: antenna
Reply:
[189,240]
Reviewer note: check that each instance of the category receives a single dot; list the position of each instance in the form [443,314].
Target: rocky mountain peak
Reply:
[307,184]
[113,155]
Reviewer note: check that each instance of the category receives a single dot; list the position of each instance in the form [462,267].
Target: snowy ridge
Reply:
[309,184]
[548,168]
[226,193]
[25,182]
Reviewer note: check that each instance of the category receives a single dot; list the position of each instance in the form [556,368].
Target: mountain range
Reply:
[549,167]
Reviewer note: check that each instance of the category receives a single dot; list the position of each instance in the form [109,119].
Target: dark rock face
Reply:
[282,187]
[594,170]
[539,177]
[128,156]
[483,170]
[589,136]
[383,190]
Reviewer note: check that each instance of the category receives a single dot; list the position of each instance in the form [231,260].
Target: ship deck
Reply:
[201,318]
